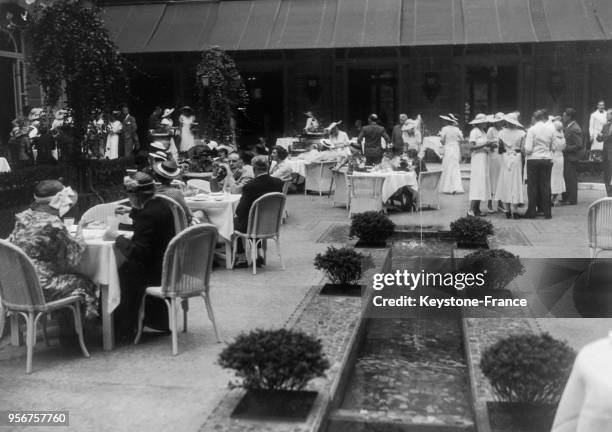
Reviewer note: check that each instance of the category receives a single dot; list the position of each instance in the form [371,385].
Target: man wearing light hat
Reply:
[166,172]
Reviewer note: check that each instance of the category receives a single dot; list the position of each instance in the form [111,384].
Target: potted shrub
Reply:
[471,232]
[372,228]
[343,268]
[275,366]
[500,267]
[528,373]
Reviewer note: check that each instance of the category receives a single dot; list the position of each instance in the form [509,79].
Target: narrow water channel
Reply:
[409,372]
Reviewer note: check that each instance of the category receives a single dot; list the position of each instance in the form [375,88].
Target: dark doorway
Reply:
[373,91]
[149,88]
[492,89]
[263,116]
[7,96]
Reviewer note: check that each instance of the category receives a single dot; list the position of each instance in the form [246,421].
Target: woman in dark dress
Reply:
[144,253]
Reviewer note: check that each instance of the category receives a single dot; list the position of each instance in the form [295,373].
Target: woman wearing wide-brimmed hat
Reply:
[496,122]
[510,184]
[112,139]
[450,137]
[186,120]
[480,183]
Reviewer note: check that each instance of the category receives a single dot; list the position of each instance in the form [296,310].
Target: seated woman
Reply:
[153,229]
[222,179]
[280,168]
[41,234]
[355,160]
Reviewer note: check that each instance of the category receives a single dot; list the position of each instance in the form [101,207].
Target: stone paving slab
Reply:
[119,390]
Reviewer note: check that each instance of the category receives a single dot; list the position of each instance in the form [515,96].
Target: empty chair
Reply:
[264,223]
[365,194]
[319,177]
[599,229]
[428,189]
[178,214]
[186,273]
[202,185]
[21,294]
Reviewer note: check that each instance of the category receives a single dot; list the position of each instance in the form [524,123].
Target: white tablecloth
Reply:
[394,180]
[285,142]
[298,166]
[4,165]
[100,264]
[220,213]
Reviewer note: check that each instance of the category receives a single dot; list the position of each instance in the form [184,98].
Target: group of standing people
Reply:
[504,154]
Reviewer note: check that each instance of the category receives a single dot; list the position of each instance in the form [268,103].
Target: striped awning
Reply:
[301,24]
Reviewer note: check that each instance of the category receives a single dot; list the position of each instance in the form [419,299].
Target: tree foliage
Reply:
[71,53]
[223,96]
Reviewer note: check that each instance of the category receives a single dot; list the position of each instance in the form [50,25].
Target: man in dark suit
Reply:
[574,148]
[397,137]
[144,253]
[129,132]
[262,184]
[606,137]
[371,134]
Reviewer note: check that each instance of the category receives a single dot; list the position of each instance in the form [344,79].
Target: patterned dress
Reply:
[55,253]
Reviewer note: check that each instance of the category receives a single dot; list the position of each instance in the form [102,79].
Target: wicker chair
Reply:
[428,189]
[186,273]
[599,229]
[264,223]
[202,185]
[318,177]
[285,192]
[178,214]
[22,295]
[98,213]
[365,194]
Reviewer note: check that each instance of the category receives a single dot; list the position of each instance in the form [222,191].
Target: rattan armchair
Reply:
[21,294]
[186,273]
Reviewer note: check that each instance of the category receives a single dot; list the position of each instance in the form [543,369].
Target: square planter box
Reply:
[515,417]
[275,405]
[371,245]
[342,290]
[472,245]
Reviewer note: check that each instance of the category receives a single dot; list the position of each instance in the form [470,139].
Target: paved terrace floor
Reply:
[144,387]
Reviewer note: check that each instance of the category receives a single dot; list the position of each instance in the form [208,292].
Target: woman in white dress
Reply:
[557,184]
[495,158]
[510,184]
[112,139]
[186,120]
[480,182]
[450,137]
[168,124]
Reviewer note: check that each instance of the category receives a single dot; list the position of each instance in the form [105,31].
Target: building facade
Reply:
[344,59]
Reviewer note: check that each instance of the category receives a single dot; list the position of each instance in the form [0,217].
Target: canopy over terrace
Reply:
[307,24]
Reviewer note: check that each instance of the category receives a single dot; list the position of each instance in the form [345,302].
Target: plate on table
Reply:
[216,194]
[200,197]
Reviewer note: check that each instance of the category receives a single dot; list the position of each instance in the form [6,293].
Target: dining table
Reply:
[393,181]
[100,262]
[220,209]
